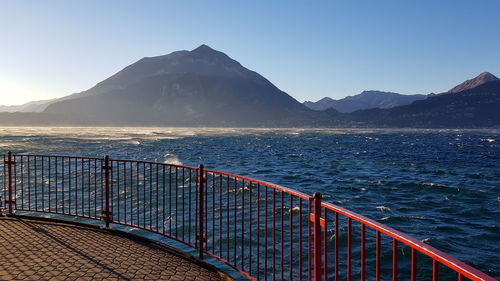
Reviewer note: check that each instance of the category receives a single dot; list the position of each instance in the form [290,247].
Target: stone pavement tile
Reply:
[43,250]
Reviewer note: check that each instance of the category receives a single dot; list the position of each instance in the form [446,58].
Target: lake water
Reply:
[439,186]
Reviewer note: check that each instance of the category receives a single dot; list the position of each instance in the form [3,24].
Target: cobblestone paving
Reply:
[43,250]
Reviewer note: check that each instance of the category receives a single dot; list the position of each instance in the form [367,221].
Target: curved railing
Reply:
[262,230]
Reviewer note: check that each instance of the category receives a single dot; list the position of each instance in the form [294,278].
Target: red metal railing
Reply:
[262,230]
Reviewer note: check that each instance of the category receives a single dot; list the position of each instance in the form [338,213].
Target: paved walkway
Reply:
[45,250]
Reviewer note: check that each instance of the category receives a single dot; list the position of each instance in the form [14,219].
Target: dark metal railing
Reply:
[262,230]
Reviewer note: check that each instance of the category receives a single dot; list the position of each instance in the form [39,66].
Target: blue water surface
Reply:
[439,186]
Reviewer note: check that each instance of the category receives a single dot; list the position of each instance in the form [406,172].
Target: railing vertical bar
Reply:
[228,199]
[36,182]
[413,265]
[157,216]
[170,201]
[325,262]
[243,225]
[336,246]
[309,243]
[250,236]
[183,204]
[206,210]
[83,186]
[144,184]
[102,187]
[318,271]
[22,182]
[62,184]
[394,259]
[435,270]
[189,209]
[125,192]
[15,182]
[377,256]
[164,189]
[197,219]
[213,212]
[29,184]
[69,185]
[89,185]
[177,203]
[76,185]
[300,239]
[274,234]
[265,233]
[107,167]
[56,185]
[118,193]
[258,231]
[202,209]
[290,263]
[220,216]
[282,237]
[151,199]
[349,249]
[43,182]
[9,174]
[95,188]
[235,238]
[363,252]
[4,179]
[131,182]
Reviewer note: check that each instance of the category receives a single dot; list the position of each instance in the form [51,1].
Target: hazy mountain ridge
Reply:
[205,87]
[32,106]
[473,108]
[364,100]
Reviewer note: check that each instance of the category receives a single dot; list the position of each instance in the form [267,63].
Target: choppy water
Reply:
[439,186]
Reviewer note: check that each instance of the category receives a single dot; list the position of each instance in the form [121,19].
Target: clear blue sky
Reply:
[310,49]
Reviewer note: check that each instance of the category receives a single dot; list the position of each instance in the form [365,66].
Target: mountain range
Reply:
[205,87]
[365,100]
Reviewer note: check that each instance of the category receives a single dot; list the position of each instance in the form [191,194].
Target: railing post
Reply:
[9,163]
[201,213]
[318,261]
[106,213]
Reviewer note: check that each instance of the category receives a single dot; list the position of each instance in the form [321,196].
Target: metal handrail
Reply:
[262,230]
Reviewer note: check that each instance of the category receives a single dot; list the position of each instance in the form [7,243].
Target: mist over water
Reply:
[439,186]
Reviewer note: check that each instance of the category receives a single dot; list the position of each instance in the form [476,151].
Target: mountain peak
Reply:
[204,49]
[482,78]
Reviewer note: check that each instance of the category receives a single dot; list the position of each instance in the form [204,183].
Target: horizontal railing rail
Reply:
[262,230]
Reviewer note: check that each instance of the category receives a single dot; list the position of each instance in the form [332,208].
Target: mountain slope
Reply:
[482,78]
[33,106]
[199,87]
[365,100]
[476,107]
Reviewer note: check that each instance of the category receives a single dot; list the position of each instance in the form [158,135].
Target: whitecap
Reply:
[383,208]
[171,159]
[425,240]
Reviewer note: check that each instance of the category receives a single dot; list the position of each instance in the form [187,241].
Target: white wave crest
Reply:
[172,159]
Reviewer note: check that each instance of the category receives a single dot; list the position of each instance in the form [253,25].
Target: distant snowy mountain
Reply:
[365,100]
